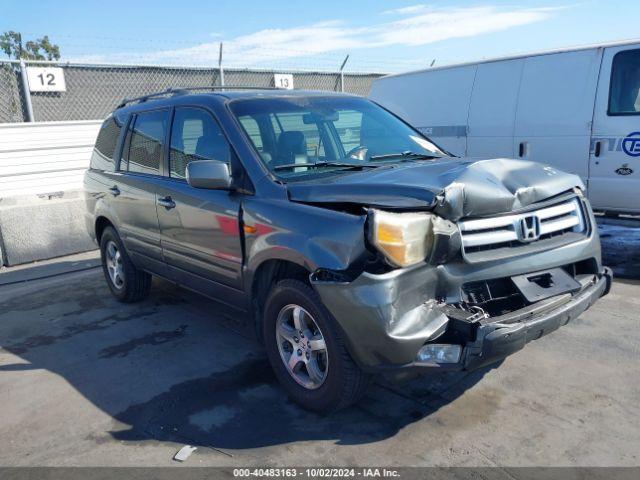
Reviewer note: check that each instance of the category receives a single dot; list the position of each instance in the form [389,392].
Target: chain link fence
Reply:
[92,91]
[11,95]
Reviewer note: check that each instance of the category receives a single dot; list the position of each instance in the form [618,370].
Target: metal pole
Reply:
[20,46]
[342,73]
[220,67]
[26,92]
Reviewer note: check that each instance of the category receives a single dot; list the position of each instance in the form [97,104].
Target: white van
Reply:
[576,109]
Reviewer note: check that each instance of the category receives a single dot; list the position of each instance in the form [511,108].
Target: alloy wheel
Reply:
[113,260]
[302,346]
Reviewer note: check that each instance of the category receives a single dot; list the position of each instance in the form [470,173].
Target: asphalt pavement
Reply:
[86,381]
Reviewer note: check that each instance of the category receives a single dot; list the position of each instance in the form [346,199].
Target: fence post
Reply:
[25,91]
[342,73]
[220,67]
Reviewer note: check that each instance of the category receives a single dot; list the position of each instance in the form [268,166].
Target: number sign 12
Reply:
[46,79]
[283,80]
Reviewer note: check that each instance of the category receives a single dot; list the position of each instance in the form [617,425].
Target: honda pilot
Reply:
[355,244]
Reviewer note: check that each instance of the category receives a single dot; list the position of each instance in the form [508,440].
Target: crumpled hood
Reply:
[452,188]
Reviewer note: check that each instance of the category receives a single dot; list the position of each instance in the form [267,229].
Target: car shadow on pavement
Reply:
[165,370]
[243,407]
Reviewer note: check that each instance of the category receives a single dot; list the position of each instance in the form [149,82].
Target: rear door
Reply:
[555,109]
[614,182]
[132,189]
[493,109]
[200,228]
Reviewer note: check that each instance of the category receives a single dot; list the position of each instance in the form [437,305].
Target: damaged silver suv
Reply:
[356,245]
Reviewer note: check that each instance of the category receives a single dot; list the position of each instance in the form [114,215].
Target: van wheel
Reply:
[126,282]
[307,352]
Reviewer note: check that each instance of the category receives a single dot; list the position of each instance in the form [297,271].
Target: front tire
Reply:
[127,283]
[307,352]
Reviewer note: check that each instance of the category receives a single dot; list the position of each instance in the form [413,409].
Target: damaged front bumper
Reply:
[501,337]
[385,328]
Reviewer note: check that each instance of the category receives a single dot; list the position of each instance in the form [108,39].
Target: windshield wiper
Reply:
[290,166]
[407,154]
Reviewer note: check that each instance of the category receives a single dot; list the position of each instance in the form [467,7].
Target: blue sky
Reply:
[384,36]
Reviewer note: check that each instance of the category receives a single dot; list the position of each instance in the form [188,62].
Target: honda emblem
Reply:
[529,228]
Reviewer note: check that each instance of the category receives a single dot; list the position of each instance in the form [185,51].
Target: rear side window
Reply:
[195,135]
[145,142]
[102,157]
[624,91]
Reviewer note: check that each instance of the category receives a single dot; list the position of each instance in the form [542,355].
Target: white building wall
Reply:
[44,157]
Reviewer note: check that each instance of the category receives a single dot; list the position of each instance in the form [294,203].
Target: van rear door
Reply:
[493,108]
[614,174]
[555,109]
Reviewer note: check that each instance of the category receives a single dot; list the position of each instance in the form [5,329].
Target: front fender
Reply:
[309,236]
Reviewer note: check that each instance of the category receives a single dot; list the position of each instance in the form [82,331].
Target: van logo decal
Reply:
[631,144]
[624,170]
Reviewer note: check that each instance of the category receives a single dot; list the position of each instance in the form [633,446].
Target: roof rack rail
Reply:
[184,90]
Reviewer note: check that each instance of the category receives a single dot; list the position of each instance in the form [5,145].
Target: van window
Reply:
[624,91]
[147,134]
[105,147]
[195,135]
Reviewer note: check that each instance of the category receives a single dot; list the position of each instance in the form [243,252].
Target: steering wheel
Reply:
[358,153]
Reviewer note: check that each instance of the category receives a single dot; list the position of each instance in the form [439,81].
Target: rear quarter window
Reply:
[103,156]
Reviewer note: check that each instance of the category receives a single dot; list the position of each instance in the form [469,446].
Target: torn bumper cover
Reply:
[497,340]
[385,334]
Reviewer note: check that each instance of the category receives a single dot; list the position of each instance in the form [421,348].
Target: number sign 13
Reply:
[283,80]
[46,79]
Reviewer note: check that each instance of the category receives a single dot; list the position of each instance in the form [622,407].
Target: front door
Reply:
[200,229]
[614,174]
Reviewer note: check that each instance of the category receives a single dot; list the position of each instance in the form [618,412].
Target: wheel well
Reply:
[101,224]
[267,275]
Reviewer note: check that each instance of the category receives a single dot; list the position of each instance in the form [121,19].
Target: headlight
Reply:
[403,238]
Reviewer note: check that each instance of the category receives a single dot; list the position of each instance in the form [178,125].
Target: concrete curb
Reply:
[3,259]
[50,268]
[38,227]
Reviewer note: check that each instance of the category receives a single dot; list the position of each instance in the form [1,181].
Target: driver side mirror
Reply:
[209,174]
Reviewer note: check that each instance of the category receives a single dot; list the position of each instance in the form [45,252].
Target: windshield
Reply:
[303,136]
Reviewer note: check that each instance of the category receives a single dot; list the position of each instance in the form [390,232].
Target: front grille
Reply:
[533,228]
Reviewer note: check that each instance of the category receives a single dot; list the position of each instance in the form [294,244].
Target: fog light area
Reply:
[435,353]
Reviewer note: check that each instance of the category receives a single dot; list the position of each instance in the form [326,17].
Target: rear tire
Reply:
[324,377]
[126,282]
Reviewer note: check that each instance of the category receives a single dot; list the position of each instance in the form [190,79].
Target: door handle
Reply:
[521,149]
[167,202]
[598,148]
[115,191]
